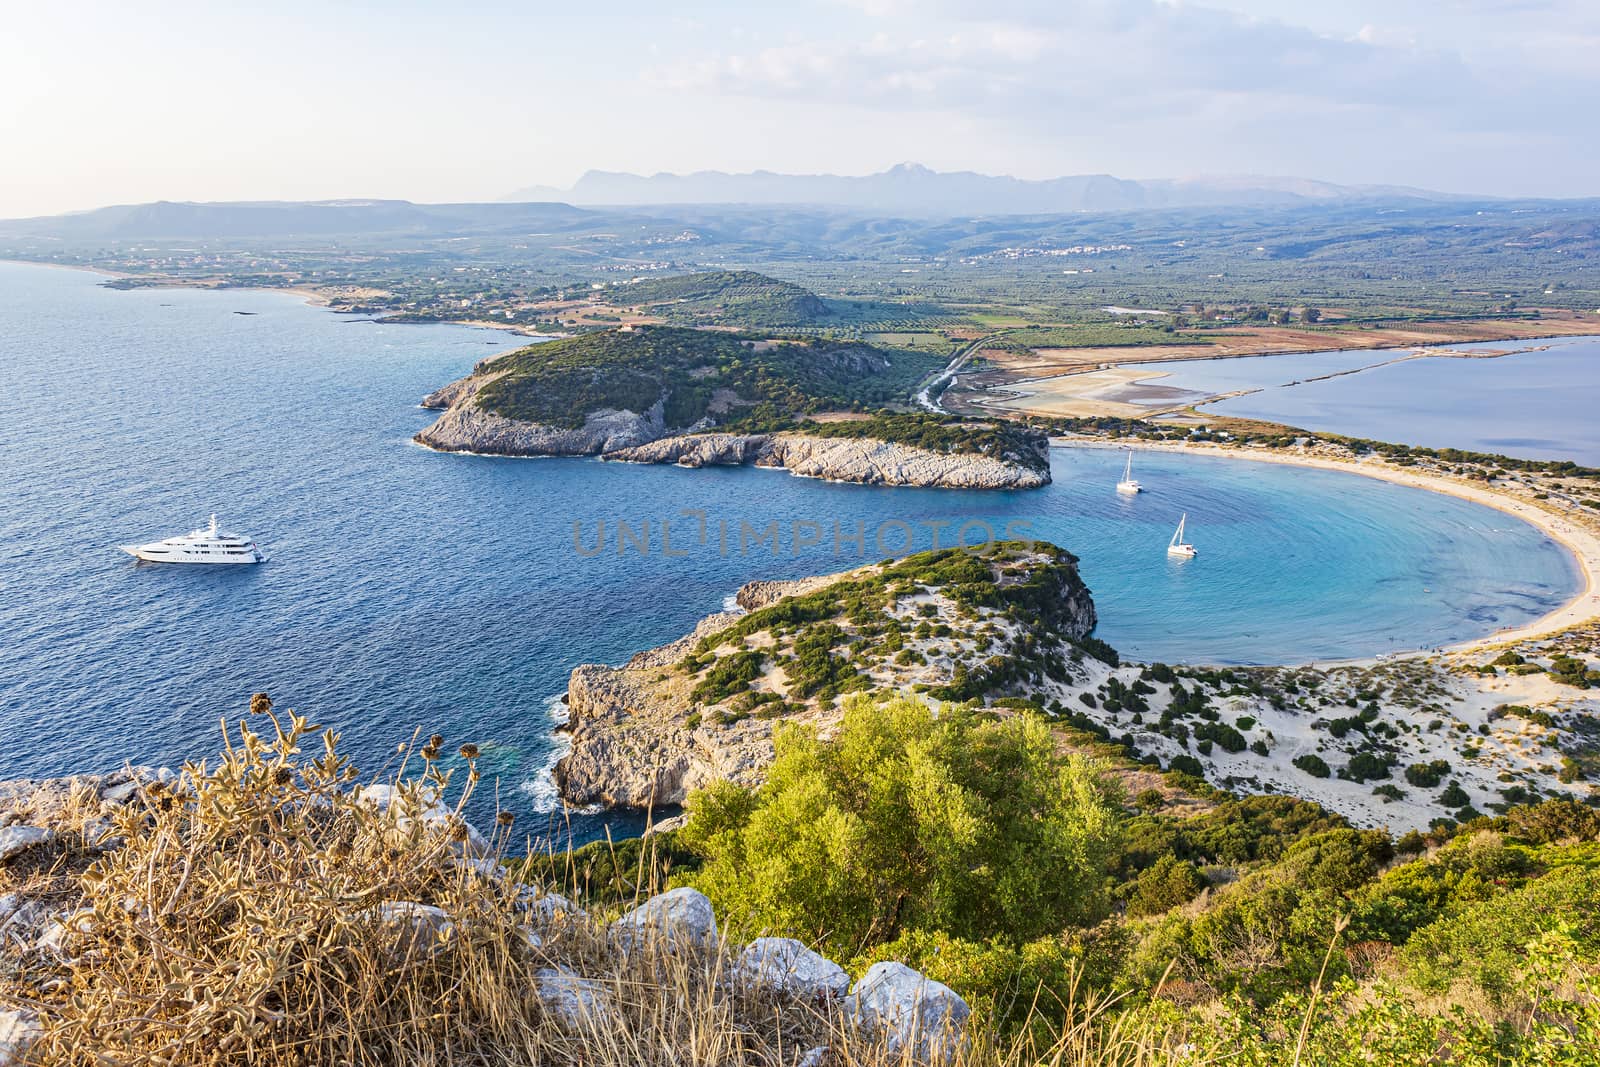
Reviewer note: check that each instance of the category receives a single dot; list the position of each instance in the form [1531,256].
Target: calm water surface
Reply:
[1536,403]
[410,590]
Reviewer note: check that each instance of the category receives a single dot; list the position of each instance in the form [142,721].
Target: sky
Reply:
[111,102]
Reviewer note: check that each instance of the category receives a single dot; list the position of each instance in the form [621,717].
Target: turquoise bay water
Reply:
[1538,403]
[410,590]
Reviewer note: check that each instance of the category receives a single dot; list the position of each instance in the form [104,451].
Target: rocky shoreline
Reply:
[648,733]
[861,460]
[643,437]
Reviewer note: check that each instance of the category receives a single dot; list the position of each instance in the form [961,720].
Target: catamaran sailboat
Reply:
[1178,546]
[209,545]
[1128,484]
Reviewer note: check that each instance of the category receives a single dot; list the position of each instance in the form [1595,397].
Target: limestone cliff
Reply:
[864,460]
[465,427]
[953,624]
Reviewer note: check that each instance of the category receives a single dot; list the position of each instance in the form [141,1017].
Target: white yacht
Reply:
[1128,484]
[1178,546]
[209,545]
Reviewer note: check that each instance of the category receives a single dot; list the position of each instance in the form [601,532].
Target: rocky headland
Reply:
[660,395]
[639,437]
[953,624]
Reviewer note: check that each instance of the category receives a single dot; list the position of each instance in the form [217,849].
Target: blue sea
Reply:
[1538,402]
[408,590]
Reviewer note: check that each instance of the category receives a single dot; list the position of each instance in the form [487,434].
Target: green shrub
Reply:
[1364,766]
[1165,885]
[1187,764]
[1487,943]
[1427,775]
[1230,739]
[958,823]
[1313,765]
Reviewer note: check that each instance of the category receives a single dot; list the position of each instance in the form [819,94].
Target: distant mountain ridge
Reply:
[913,188]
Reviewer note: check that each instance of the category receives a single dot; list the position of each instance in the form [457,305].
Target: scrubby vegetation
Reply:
[942,433]
[1256,930]
[732,297]
[248,912]
[694,374]
[1016,601]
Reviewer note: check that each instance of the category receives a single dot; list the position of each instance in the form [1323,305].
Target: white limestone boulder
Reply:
[909,1013]
[19,1030]
[784,965]
[17,839]
[679,919]
[547,909]
[22,920]
[570,1000]
[415,930]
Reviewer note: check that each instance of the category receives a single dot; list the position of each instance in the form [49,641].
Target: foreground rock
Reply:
[784,965]
[430,810]
[909,1013]
[569,999]
[679,919]
[19,1029]
[863,460]
[15,840]
[702,709]
[413,930]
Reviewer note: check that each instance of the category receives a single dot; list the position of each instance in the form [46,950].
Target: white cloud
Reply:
[1148,69]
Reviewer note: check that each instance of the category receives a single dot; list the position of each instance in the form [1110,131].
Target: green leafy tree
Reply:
[959,822]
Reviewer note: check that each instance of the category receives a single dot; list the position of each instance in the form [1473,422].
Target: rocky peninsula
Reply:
[694,398]
[954,624]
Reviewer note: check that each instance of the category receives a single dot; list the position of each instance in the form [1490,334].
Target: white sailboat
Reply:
[1178,546]
[1128,484]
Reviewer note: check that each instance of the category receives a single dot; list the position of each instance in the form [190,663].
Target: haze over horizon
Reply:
[104,104]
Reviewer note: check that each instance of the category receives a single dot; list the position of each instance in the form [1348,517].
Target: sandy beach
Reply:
[1581,538]
[1116,381]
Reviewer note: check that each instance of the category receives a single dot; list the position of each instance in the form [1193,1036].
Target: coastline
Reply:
[311,295]
[1582,542]
[1095,388]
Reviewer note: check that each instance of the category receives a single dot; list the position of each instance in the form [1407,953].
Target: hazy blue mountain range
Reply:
[915,189]
[1368,232]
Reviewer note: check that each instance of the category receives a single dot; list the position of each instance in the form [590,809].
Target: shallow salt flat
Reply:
[414,590]
[1536,402]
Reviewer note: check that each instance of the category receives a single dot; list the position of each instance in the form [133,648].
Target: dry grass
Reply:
[241,923]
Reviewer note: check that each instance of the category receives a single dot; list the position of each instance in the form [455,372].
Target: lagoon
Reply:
[1537,402]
